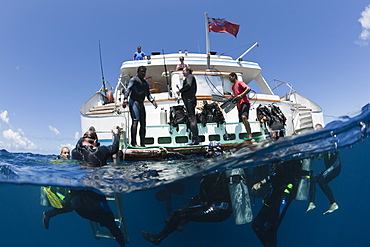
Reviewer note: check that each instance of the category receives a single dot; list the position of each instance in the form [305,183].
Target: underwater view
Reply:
[150,191]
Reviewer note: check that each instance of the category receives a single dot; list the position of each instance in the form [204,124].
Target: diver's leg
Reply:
[170,227]
[134,112]
[190,108]
[244,113]
[323,183]
[311,205]
[107,220]
[142,131]
[265,223]
[47,215]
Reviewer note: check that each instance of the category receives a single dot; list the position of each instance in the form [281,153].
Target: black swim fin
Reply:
[229,104]
[219,98]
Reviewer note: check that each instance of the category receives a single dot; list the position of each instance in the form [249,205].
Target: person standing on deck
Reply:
[139,55]
[137,90]
[188,92]
[240,91]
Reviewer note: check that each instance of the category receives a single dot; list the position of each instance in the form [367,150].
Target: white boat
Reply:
[211,73]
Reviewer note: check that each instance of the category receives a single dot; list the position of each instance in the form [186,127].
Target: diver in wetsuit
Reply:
[89,151]
[283,179]
[213,204]
[89,205]
[137,90]
[333,167]
[188,91]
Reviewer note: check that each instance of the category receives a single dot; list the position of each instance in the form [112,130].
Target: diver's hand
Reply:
[258,185]
[116,131]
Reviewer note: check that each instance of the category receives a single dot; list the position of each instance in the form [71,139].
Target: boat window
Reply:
[164,140]
[214,138]
[181,139]
[149,140]
[212,84]
[202,138]
[243,135]
[229,137]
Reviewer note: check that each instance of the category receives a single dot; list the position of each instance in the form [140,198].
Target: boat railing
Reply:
[287,95]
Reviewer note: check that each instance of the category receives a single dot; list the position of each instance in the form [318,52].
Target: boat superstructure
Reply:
[104,113]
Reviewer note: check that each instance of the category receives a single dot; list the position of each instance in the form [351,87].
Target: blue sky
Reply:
[49,56]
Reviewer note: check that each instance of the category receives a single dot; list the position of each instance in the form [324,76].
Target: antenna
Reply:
[102,73]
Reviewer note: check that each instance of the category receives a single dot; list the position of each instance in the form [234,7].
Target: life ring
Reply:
[110,97]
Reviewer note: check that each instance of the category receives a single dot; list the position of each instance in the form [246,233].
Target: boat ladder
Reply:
[118,216]
[304,117]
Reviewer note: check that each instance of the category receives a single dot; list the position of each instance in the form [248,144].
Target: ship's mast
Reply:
[207,42]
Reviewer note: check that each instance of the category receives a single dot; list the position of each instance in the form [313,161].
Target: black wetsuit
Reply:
[89,205]
[188,91]
[213,204]
[333,167]
[137,90]
[95,156]
[284,179]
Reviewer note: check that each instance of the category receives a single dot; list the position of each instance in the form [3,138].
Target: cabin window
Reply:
[202,138]
[243,135]
[181,139]
[149,140]
[214,138]
[164,140]
[229,137]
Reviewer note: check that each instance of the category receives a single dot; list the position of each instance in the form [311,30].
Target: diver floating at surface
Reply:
[89,204]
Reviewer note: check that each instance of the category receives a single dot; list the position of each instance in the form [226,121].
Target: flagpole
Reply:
[207,42]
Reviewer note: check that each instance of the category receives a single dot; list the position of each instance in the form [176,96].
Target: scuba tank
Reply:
[163,117]
[303,187]
[239,196]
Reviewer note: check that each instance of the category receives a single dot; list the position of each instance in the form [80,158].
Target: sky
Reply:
[49,54]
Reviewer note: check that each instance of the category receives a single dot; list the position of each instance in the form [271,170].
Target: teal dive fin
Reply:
[239,196]
[229,104]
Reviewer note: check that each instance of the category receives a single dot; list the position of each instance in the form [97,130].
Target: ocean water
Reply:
[141,183]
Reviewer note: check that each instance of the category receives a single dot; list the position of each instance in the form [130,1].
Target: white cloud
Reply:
[17,140]
[365,23]
[55,130]
[4,116]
